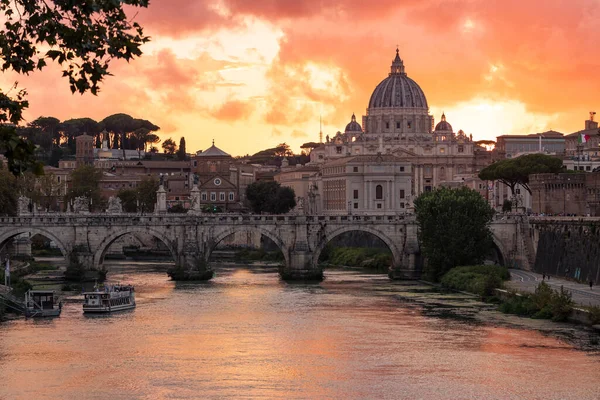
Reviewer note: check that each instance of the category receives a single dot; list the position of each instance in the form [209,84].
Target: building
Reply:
[84,150]
[221,179]
[300,178]
[583,147]
[397,154]
[550,142]
[566,194]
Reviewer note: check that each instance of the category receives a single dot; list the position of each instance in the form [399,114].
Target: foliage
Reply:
[506,205]
[181,153]
[480,279]
[147,193]
[310,145]
[129,199]
[20,153]
[368,257]
[75,271]
[270,197]
[8,195]
[85,181]
[177,209]
[72,128]
[169,146]
[516,171]
[82,36]
[545,303]
[453,229]
[594,315]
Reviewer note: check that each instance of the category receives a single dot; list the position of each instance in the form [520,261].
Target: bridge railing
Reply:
[185,219]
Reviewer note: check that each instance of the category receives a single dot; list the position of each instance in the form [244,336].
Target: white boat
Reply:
[42,303]
[109,299]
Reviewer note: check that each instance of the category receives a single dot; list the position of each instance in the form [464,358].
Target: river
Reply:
[247,335]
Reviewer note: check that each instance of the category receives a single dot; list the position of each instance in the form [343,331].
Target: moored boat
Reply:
[109,299]
[42,303]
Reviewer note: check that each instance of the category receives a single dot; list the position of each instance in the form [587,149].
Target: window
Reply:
[356,194]
[397,125]
[428,188]
[195,163]
[58,179]
[588,168]
[387,125]
[176,198]
[401,205]
[378,205]
[213,196]
[231,196]
[461,149]
[203,196]
[320,156]
[409,124]
[442,150]
[355,169]
[518,191]
[401,193]
[379,192]
[355,205]
[401,169]
[338,149]
[222,196]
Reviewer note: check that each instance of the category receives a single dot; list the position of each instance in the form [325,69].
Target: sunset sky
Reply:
[252,74]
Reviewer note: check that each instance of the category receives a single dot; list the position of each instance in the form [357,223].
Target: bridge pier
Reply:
[300,267]
[406,269]
[191,266]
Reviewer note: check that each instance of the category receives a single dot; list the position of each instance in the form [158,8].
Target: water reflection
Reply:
[247,334]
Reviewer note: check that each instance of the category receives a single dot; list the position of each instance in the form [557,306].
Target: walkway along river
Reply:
[246,334]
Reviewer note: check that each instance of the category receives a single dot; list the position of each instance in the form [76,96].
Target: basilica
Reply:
[397,153]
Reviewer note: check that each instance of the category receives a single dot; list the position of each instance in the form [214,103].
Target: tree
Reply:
[516,171]
[147,193]
[310,145]
[270,197]
[453,229]
[129,199]
[82,36]
[85,181]
[181,153]
[169,146]
[78,126]
[8,195]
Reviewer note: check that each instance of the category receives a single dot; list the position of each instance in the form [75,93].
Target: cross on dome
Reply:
[398,64]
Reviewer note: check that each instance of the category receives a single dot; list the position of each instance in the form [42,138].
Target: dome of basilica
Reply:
[443,125]
[353,126]
[398,90]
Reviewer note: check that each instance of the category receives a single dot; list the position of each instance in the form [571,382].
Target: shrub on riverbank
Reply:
[258,255]
[479,279]
[545,303]
[367,257]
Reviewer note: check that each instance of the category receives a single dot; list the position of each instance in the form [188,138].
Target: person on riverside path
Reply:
[591,284]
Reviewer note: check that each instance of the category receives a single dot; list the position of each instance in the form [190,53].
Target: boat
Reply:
[42,303]
[111,298]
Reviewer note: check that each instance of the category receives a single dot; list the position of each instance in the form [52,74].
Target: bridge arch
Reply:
[396,252]
[6,236]
[101,250]
[230,231]
[498,247]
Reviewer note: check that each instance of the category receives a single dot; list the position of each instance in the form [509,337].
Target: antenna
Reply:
[320,129]
[592,113]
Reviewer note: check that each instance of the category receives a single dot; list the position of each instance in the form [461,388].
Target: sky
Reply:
[253,74]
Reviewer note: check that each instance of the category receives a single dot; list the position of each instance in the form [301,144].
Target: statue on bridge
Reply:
[24,206]
[114,205]
[81,205]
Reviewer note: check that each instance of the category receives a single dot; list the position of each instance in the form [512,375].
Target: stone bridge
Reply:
[191,238]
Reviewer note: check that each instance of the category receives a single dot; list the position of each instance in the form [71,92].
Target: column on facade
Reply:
[394,194]
[388,203]
[365,183]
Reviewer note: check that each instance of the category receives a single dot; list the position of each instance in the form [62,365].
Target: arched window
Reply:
[378,192]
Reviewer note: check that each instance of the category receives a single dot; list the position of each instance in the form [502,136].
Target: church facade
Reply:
[396,154]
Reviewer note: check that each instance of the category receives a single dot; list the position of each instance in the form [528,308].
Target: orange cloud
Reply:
[233,110]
